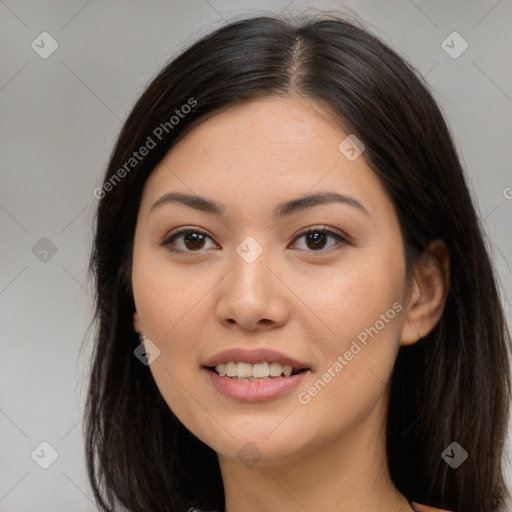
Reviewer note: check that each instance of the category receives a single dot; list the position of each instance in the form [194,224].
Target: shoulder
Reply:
[426,508]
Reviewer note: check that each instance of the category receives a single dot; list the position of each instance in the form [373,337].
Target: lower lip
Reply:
[255,391]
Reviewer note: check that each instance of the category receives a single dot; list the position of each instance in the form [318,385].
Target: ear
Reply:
[429,291]
[136,322]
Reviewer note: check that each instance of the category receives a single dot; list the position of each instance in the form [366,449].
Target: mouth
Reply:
[254,375]
[265,370]
[243,384]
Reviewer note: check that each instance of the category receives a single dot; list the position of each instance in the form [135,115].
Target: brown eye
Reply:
[316,239]
[195,240]
[186,240]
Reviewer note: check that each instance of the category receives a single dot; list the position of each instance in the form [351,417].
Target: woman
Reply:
[295,305]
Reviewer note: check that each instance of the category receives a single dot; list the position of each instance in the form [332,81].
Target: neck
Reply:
[346,473]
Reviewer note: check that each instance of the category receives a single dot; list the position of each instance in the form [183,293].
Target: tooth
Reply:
[231,369]
[247,371]
[275,369]
[243,369]
[260,370]
[221,369]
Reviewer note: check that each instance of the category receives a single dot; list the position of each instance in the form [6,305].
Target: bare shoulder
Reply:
[426,508]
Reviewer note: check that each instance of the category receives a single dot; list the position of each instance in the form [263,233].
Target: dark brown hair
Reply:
[453,385]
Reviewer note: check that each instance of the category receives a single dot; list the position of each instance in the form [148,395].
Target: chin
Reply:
[263,443]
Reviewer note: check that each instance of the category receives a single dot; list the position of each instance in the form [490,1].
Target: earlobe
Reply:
[136,322]
[428,297]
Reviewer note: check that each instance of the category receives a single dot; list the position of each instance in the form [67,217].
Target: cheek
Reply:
[355,295]
[169,304]
[361,304]
[171,301]
[165,293]
[361,307]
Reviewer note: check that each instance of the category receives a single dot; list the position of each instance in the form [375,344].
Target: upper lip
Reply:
[254,356]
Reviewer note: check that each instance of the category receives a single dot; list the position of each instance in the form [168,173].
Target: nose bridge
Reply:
[250,250]
[250,270]
[251,293]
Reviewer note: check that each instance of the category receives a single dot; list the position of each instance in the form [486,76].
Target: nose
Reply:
[251,296]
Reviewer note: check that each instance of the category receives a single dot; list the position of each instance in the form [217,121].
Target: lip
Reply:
[255,391]
[254,356]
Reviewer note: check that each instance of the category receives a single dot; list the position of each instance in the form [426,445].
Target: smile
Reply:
[255,389]
[258,371]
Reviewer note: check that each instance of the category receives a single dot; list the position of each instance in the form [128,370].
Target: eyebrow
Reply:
[282,209]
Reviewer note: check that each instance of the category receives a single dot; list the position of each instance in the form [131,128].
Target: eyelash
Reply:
[315,229]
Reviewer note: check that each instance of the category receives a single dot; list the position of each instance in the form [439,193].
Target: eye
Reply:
[316,238]
[192,240]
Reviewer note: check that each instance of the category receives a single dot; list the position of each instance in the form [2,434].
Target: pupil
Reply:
[196,239]
[317,238]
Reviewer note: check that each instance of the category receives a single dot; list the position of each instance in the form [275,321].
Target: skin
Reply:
[328,454]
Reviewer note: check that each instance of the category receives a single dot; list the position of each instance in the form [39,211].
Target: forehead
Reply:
[272,128]
[264,151]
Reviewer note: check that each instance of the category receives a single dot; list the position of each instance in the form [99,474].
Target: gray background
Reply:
[60,118]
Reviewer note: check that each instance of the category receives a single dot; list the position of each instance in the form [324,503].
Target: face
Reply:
[317,285]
